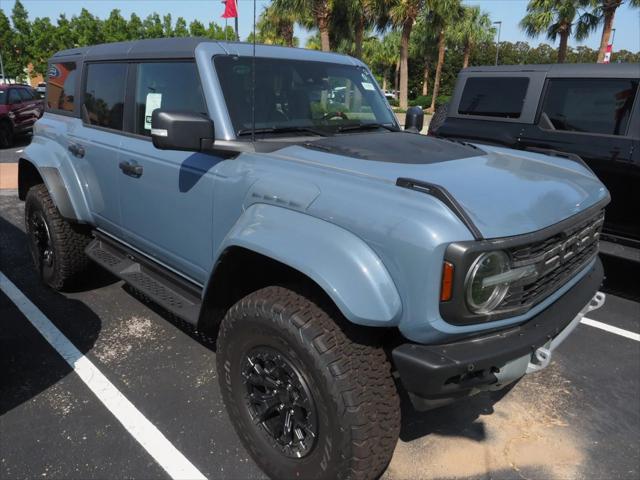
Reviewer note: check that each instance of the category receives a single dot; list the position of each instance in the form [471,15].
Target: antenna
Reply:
[253,78]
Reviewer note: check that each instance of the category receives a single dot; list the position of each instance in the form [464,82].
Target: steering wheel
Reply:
[330,115]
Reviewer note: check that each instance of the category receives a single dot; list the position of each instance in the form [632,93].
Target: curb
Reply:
[8,176]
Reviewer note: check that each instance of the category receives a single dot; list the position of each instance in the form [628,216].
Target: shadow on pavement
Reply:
[29,365]
[455,420]
[622,277]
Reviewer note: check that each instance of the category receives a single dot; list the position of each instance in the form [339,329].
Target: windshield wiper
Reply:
[247,131]
[365,126]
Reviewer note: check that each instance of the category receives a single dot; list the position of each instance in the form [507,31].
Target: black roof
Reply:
[624,70]
[151,48]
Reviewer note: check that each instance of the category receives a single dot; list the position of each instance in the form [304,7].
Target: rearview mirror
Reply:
[179,130]
[414,120]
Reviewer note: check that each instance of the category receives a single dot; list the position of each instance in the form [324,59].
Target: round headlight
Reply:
[484,299]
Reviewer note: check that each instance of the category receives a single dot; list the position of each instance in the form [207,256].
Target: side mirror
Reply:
[414,120]
[176,130]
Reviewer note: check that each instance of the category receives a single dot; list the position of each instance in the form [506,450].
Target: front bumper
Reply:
[436,375]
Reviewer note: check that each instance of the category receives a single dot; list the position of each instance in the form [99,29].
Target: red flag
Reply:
[230,9]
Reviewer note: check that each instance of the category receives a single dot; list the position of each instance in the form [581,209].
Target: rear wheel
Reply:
[56,245]
[306,399]
[6,136]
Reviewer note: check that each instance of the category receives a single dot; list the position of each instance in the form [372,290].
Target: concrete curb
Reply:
[8,176]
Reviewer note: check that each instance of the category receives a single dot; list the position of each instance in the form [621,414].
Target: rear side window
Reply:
[26,95]
[14,96]
[593,105]
[104,95]
[170,86]
[61,86]
[494,96]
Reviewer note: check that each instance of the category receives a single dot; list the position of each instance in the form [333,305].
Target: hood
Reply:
[504,192]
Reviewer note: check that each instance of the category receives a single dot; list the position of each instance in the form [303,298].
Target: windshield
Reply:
[291,95]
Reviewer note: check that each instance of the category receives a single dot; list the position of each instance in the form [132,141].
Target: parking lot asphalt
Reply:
[579,418]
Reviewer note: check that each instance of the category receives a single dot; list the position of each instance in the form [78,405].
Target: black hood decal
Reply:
[395,147]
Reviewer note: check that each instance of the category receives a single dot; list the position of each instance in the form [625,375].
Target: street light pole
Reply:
[499,23]
[4,80]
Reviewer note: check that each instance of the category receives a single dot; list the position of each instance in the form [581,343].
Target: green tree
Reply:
[11,60]
[135,28]
[196,29]
[383,55]
[400,15]
[114,28]
[275,27]
[558,18]
[423,48]
[319,10]
[43,44]
[87,29]
[22,32]
[153,27]
[167,26]
[181,29]
[473,28]
[443,14]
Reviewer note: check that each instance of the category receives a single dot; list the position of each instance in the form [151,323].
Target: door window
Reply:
[26,95]
[168,85]
[61,86]
[591,105]
[14,96]
[494,96]
[104,95]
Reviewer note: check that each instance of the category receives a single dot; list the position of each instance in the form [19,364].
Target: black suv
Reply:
[588,112]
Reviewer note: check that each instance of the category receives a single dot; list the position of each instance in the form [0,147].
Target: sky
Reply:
[509,12]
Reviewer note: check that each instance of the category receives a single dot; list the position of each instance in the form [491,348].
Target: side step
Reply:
[171,292]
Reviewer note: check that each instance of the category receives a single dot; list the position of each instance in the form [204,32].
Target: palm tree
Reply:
[276,27]
[400,15]
[424,41]
[320,10]
[382,55]
[605,12]
[473,28]
[442,14]
[558,19]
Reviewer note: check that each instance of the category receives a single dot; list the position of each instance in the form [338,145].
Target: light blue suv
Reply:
[275,201]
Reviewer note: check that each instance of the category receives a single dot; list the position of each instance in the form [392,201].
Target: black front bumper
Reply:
[435,375]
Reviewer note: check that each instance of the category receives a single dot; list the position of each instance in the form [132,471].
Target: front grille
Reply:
[557,259]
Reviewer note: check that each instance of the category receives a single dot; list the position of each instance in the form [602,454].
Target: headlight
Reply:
[482,297]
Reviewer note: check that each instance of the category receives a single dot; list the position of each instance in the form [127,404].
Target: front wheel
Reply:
[307,400]
[56,245]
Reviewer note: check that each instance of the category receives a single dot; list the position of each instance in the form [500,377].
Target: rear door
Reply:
[167,202]
[95,143]
[31,106]
[590,117]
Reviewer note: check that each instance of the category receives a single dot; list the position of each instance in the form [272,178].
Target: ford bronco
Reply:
[273,200]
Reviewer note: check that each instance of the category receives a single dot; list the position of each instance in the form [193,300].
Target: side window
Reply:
[14,96]
[26,95]
[104,95]
[61,86]
[168,85]
[591,105]
[494,96]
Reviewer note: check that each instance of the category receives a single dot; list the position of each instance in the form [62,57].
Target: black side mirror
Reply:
[414,120]
[175,130]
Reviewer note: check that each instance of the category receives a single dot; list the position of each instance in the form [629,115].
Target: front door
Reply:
[167,196]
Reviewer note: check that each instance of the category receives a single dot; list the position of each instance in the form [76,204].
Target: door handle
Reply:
[131,169]
[76,150]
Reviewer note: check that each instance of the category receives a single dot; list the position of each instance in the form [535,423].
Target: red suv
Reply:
[20,107]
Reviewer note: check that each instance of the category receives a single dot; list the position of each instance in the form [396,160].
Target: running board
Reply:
[171,292]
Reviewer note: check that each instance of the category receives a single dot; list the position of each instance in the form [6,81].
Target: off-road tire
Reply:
[6,135]
[438,118]
[68,241]
[349,379]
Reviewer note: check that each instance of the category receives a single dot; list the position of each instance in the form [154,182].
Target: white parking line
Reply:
[611,329]
[151,439]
